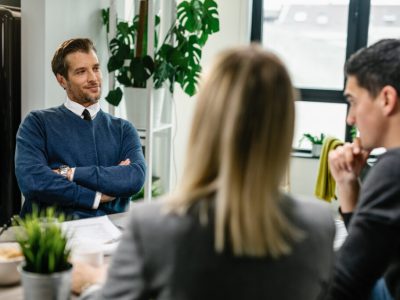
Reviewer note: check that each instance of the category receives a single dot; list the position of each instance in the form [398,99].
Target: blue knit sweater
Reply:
[49,138]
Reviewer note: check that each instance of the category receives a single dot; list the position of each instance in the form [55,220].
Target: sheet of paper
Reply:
[99,231]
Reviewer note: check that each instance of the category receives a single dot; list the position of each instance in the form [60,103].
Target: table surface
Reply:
[15,292]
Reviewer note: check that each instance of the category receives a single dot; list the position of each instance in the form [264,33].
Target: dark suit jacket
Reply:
[165,256]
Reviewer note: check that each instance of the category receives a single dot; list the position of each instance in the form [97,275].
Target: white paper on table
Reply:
[99,231]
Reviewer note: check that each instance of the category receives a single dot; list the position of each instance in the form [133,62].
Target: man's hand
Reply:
[105,198]
[345,164]
[85,275]
[125,162]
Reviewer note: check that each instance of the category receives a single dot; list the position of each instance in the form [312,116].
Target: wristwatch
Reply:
[63,169]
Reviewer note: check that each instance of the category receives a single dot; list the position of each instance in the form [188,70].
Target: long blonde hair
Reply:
[238,152]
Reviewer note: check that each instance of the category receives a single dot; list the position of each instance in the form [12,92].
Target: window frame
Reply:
[357,37]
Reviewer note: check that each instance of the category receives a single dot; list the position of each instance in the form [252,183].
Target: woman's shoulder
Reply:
[312,215]
[154,215]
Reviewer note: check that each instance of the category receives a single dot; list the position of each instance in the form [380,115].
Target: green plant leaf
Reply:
[105,16]
[123,28]
[190,14]
[210,17]
[114,97]
[125,77]
[114,63]
[141,68]
[163,72]
[189,84]
[193,51]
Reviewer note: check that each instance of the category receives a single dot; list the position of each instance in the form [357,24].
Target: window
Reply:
[326,118]
[384,20]
[304,38]
[314,38]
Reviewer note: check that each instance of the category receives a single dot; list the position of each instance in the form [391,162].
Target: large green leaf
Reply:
[190,14]
[105,16]
[164,71]
[210,21]
[193,50]
[120,51]
[114,63]
[123,28]
[124,76]
[114,97]
[141,68]
[210,17]
[189,84]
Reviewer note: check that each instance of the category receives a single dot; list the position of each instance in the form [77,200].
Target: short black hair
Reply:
[376,66]
[59,64]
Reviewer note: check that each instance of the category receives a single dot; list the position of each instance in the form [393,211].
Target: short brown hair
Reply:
[376,66]
[59,64]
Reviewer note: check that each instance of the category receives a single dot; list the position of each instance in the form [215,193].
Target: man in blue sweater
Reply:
[75,156]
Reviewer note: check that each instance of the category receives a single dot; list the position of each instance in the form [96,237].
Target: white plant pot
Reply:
[46,286]
[136,106]
[316,150]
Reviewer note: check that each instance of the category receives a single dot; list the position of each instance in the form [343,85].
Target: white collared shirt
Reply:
[78,109]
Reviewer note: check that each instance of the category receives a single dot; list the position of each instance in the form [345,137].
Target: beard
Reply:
[83,96]
[91,99]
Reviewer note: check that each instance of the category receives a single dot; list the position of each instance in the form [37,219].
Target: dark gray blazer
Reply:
[164,256]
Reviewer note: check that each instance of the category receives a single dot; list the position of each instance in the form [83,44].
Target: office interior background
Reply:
[313,37]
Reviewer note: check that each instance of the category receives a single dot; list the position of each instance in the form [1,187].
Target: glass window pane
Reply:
[316,118]
[310,37]
[384,21]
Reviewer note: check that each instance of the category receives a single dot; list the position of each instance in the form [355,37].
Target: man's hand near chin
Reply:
[345,164]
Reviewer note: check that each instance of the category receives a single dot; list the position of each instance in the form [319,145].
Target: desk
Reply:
[15,292]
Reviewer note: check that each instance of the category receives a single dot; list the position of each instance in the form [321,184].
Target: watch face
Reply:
[64,170]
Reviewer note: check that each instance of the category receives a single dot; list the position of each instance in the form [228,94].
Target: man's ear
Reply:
[62,81]
[388,99]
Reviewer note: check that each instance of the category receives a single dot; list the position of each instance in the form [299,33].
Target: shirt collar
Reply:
[78,109]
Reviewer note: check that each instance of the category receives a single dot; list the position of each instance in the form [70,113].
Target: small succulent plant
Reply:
[43,242]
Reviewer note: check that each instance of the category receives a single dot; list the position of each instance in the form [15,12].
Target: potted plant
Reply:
[46,272]
[176,59]
[316,142]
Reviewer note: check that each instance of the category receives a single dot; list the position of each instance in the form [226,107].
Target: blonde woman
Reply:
[228,232]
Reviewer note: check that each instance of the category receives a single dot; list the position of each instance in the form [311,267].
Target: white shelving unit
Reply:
[156,139]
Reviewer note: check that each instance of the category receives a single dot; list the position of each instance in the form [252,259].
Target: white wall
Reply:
[45,24]
[303,176]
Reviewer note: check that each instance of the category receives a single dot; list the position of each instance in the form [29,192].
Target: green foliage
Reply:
[43,243]
[178,57]
[155,192]
[353,132]
[313,139]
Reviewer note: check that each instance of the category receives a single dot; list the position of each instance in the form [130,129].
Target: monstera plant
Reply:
[176,59]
